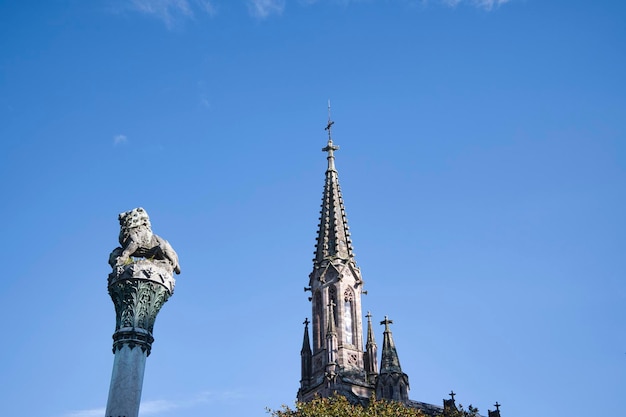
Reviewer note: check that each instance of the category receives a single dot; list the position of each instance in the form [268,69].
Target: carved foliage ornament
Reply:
[137,303]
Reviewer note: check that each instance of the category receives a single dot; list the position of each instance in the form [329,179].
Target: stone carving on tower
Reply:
[140,283]
[337,359]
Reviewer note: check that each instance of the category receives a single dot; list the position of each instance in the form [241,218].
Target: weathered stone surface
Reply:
[126,382]
[138,291]
[141,282]
[136,239]
[337,359]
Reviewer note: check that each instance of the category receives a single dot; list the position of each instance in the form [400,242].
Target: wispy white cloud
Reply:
[156,407]
[207,6]
[146,408]
[119,139]
[482,4]
[171,11]
[94,412]
[264,8]
[489,4]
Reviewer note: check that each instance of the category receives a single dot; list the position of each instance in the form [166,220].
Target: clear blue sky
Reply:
[483,165]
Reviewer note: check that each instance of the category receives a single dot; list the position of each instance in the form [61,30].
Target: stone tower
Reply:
[337,361]
[141,282]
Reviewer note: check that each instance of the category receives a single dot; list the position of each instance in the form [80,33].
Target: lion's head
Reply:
[135,226]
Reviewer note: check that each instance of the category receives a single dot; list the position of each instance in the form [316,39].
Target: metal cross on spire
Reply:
[497,406]
[452,394]
[386,322]
[330,124]
[330,147]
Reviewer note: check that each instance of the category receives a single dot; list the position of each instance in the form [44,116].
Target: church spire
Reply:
[392,383]
[333,239]
[371,351]
[389,361]
[336,287]
[306,357]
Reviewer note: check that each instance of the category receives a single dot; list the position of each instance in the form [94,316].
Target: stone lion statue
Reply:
[136,239]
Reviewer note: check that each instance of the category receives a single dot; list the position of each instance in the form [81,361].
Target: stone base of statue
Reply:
[138,289]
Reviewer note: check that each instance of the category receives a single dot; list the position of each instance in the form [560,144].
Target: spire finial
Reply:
[329,125]
[386,322]
[497,406]
[306,322]
[452,394]
[330,148]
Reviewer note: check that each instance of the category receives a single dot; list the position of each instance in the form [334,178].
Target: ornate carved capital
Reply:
[138,291]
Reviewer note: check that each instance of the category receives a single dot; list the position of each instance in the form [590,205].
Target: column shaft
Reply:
[126,382]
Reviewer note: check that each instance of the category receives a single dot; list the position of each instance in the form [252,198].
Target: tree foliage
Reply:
[339,406]
[461,412]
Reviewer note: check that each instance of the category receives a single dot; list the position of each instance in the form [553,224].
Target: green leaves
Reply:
[339,406]
[461,412]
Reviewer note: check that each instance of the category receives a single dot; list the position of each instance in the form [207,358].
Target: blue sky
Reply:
[482,161]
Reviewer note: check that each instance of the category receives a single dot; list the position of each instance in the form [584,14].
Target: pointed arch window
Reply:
[317,322]
[332,295]
[348,317]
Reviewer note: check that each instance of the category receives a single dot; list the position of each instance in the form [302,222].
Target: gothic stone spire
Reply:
[389,361]
[371,351]
[333,238]
[305,357]
[336,287]
[392,383]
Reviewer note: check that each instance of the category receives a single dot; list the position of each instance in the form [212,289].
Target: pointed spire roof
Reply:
[371,351]
[306,344]
[370,332]
[389,362]
[333,238]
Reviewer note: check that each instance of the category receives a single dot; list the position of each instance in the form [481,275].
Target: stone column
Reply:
[138,289]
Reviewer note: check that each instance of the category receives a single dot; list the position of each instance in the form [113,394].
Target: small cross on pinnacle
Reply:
[497,406]
[306,322]
[452,394]
[386,322]
[368,315]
